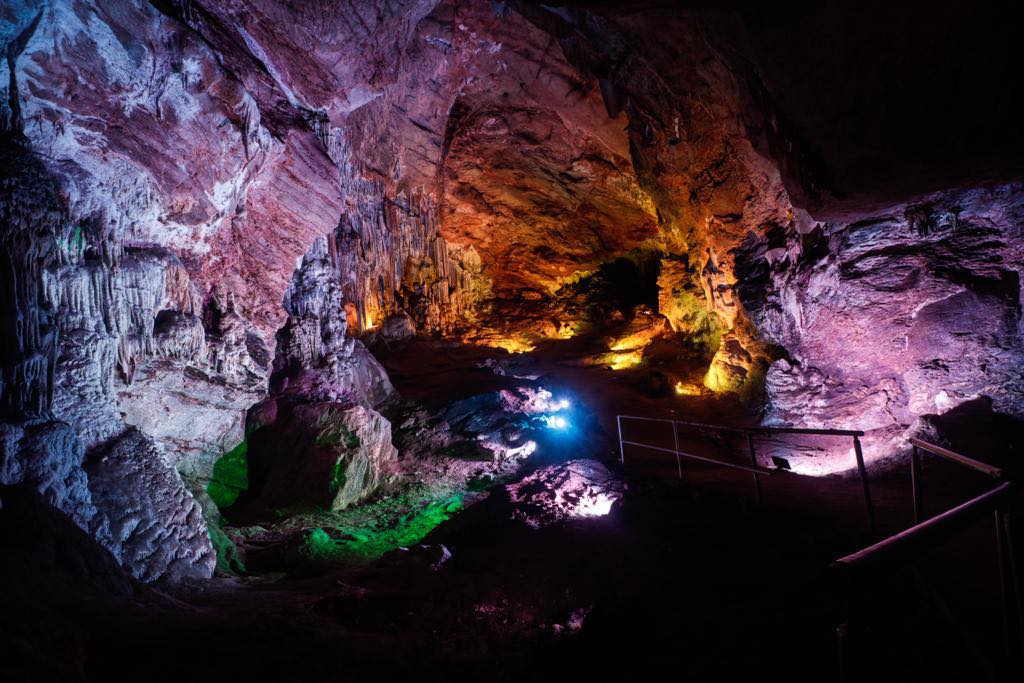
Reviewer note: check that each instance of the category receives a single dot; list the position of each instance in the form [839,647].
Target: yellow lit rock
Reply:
[682,301]
[512,345]
[730,366]
[684,389]
[641,331]
[628,359]
[566,331]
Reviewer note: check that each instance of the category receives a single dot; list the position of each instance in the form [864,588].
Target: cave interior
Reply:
[462,339]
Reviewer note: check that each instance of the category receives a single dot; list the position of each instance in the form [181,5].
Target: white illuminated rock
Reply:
[578,489]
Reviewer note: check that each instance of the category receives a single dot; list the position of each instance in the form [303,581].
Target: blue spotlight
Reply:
[556,422]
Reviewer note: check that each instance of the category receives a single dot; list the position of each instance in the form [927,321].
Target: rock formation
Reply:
[209,206]
[577,489]
[145,516]
[317,439]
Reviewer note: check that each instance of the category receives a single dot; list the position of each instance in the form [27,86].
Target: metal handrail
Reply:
[757,429]
[750,433]
[909,543]
[990,470]
[900,546]
[756,470]
[719,428]
[925,534]
[915,468]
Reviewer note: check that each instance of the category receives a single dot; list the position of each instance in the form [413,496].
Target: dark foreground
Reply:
[686,580]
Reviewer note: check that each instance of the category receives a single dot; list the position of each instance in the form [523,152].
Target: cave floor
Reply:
[435,373]
[685,578]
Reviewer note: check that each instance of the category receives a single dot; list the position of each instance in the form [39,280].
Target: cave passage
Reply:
[502,340]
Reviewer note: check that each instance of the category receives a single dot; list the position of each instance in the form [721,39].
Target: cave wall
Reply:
[35,447]
[862,265]
[123,492]
[907,311]
[199,151]
[209,200]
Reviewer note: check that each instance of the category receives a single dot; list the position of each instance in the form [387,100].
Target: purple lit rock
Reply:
[900,318]
[577,489]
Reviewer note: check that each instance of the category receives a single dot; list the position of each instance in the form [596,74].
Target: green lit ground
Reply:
[360,534]
[368,531]
[400,515]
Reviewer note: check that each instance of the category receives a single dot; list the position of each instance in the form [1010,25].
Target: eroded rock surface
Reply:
[144,514]
[47,455]
[909,312]
[576,489]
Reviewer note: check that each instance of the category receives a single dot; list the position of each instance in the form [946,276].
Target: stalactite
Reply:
[391,259]
[121,302]
[35,449]
[29,213]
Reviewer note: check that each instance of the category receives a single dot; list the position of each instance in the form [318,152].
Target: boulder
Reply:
[577,489]
[398,327]
[330,455]
[46,455]
[730,367]
[144,514]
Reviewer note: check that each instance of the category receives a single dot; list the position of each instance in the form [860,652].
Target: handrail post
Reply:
[843,650]
[1004,589]
[864,484]
[675,442]
[622,452]
[753,463]
[1011,565]
[915,482]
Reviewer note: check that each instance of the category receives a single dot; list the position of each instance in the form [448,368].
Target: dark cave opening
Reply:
[622,285]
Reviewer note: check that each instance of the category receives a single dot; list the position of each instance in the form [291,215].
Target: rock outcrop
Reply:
[328,455]
[317,439]
[144,514]
[910,311]
[317,357]
[578,489]
[47,455]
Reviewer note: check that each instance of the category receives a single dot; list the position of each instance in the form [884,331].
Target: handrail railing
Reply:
[692,456]
[757,429]
[902,546]
[924,535]
[750,432]
[905,545]
[990,470]
[766,429]
[915,468]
